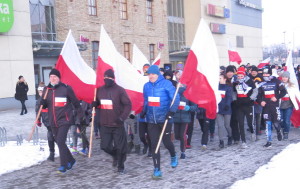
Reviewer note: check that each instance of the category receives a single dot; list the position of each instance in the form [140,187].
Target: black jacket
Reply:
[244,91]
[21,91]
[59,102]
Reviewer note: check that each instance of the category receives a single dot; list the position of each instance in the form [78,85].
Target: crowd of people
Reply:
[265,97]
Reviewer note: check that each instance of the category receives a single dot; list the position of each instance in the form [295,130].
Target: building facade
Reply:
[15,49]
[238,22]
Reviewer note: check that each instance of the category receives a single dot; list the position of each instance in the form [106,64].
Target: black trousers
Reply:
[243,111]
[114,142]
[204,124]
[257,122]
[60,136]
[23,106]
[154,133]
[51,140]
[85,141]
[180,134]
[234,122]
[144,135]
[190,129]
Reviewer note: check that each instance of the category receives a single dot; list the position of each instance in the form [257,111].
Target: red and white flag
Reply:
[264,63]
[126,74]
[295,118]
[156,61]
[75,72]
[233,54]
[201,71]
[138,59]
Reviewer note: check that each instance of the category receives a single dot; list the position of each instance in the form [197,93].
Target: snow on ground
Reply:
[14,157]
[281,172]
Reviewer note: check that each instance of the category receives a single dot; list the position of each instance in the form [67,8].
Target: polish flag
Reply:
[233,54]
[75,72]
[156,61]
[138,59]
[295,118]
[264,63]
[201,71]
[126,74]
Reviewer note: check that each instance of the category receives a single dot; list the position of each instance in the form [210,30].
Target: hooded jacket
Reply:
[224,105]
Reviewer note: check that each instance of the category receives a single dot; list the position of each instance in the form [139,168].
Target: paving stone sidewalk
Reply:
[210,169]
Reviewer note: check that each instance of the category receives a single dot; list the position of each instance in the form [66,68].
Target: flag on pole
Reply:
[138,59]
[75,72]
[233,54]
[126,74]
[201,71]
[264,63]
[156,61]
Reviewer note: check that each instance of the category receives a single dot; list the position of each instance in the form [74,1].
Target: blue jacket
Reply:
[183,116]
[162,92]
[225,104]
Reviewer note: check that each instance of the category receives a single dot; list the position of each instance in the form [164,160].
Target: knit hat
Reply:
[40,88]
[254,68]
[55,72]
[109,73]
[168,73]
[146,65]
[241,71]
[267,70]
[153,70]
[230,69]
[286,74]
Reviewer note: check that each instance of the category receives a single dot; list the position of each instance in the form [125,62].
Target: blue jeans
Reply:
[286,119]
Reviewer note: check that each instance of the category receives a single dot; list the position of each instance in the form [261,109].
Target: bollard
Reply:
[5,135]
[19,140]
[1,137]
[36,136]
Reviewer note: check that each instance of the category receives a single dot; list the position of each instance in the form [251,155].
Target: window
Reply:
[176,36]
[240,41]
[92,7]
[95,49]
[175,8]
[123,10]
[127,51]
[151,53]
[149,15]
[42,20]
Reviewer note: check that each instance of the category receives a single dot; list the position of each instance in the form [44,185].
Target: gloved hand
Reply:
[83,121]
[143,115]
[226,108]
[95,104]
[43,103]
[39,123]
[187,108]
[131,116]
[119,121]
[170,115]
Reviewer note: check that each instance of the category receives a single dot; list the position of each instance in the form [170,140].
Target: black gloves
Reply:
[131,116]
[43,103]
[83,121]
[170,115]
[95,104]
[143,115]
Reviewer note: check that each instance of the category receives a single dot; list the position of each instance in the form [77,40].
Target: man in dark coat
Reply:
[115,107]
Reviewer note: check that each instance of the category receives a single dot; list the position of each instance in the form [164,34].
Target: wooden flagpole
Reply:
[166,121]
[37,118]
[92,127]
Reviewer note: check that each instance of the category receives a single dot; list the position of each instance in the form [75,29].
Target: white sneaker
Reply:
[203,147]
[244,145]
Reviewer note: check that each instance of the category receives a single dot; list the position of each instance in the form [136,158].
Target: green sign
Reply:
[6,15]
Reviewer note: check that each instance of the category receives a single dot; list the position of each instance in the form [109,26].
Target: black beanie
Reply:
[55,72]
[254,68]
[20,77]
[109,73]
[168,73]
[230,69]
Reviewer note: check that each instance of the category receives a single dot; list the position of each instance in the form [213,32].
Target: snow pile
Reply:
[281,172]
[13,157]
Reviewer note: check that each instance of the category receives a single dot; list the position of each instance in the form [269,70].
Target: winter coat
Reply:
[157,100]
[181,115]
[293,94]
[115,105]
[44,113]
[87,113]
[224,105]
[244,91]
[59,101]
[21,91]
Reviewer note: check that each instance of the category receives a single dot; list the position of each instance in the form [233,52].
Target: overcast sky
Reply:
[280,16]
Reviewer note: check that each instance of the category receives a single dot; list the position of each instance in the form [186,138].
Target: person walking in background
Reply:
[21,93]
